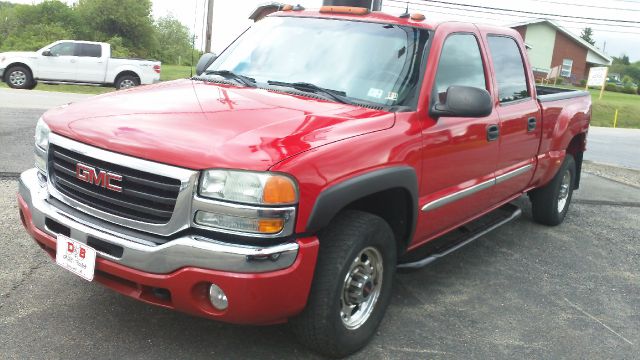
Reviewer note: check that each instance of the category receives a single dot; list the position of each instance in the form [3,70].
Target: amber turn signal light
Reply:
[270,226]
[279,190]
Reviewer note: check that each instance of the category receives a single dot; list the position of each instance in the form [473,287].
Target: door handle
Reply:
[531,124]
[73,61]
[493,132]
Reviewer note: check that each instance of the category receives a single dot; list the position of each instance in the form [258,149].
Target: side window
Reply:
[88,50]
[509,69]
[460,64]
[63,49]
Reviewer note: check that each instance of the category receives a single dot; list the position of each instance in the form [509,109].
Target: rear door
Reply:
[458,158]
[91,63]
[60,65]
[520,118]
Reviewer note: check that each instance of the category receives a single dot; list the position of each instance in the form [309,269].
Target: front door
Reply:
[60,65]
[458,158]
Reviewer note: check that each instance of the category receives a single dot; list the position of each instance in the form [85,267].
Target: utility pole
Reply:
[207,45]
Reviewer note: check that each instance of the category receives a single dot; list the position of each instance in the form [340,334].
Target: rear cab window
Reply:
[509,69]
[88,50]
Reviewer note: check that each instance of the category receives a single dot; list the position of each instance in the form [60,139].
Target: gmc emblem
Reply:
[97,177]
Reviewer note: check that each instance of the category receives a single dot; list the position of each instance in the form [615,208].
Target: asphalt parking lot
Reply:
[522,291]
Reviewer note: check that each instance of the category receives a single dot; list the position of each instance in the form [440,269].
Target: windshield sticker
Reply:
[375,93]
[392,96]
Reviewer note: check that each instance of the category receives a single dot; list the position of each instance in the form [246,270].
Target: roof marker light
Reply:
[417,17]
[344,10]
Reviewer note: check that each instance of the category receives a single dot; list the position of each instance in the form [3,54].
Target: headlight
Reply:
[42,146]
[42,135]
[246,203]
[248,187]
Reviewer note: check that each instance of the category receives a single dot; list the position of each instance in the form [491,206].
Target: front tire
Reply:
[351,287]
[19,77]
[550,203]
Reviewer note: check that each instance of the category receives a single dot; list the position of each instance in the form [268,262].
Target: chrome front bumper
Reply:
[141,254]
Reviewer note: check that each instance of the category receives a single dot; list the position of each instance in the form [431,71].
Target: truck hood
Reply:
[199,125]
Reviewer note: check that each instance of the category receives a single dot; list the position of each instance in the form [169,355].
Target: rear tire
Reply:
[351,287]
[19,77]
[550,203]
[127,82]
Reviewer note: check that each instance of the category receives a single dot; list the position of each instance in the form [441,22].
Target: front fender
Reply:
[333,199]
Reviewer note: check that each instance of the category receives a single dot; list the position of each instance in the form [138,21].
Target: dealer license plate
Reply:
[76,257]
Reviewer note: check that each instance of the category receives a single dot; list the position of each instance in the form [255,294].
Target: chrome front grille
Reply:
[145,197]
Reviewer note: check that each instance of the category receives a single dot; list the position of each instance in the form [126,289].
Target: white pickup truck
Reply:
[75,62]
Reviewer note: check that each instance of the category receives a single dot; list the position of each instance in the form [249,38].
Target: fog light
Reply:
[217,297]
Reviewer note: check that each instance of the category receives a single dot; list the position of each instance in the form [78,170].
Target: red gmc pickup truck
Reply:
[292,176]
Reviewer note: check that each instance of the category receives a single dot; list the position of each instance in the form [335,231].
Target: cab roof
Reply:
[373,16]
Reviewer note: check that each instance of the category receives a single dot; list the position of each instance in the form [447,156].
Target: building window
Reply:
[566,68]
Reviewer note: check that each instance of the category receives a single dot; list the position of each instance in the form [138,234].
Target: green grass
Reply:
[173,72]
[69,88]
[169,72]
[603,111]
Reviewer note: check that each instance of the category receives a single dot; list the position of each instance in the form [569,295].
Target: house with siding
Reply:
[551,45]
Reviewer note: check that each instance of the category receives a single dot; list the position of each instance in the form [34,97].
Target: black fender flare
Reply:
[335,198]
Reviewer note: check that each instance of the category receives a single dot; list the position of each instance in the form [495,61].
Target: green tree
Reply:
[30,27]
[587,35]
[128,19]
[621,60]
[174,40]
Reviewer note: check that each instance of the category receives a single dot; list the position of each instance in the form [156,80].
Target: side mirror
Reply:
[47,53]
[464,101]
[204,62]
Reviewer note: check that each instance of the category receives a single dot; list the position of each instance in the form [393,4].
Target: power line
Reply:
[530,12]
[588,6]
[503,20]
[514,15]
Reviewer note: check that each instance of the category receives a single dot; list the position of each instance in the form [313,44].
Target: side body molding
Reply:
[335,198]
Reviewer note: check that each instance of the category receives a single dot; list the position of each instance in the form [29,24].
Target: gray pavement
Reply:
[19,112]
[522,291]
[618,147]
[35,99]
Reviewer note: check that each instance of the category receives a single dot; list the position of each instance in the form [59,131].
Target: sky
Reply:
[231,17]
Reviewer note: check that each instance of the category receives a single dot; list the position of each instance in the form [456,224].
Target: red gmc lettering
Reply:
[99,178]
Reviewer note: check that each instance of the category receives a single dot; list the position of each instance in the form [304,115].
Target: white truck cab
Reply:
[75,62]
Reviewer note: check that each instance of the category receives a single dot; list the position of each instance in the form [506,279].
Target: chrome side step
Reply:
[501,216]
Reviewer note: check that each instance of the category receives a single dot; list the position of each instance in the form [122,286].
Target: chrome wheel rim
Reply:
[361,288]
[125,84]
[563,194]
[17,78]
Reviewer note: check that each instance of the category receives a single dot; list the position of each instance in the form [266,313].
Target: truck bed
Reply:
[548,93]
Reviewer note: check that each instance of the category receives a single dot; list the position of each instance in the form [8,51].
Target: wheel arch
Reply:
[125,73]
[576,148]
[391,193]
[14,64]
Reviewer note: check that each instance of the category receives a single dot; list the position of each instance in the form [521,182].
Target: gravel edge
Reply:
[622,175]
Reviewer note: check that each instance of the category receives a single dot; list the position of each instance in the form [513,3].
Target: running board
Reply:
[57,82]
[466,234]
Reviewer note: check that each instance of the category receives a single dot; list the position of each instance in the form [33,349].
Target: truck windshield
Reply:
[368,62]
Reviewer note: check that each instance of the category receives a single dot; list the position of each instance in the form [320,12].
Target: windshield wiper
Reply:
[245,80]
[339,96]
